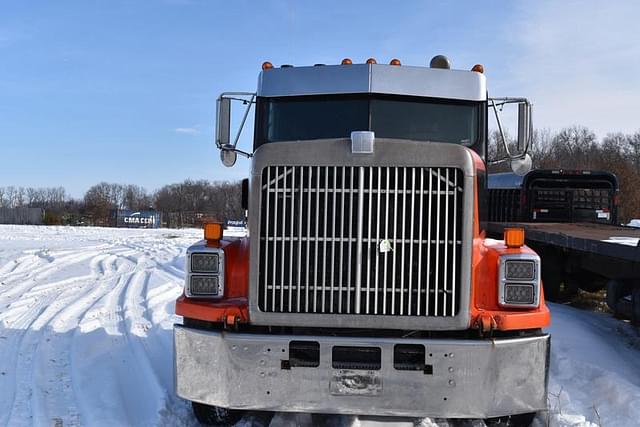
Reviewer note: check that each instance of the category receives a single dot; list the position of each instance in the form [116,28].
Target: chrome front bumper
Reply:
[469,378]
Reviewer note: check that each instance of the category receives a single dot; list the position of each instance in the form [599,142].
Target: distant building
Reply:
[136,219]
[21,216]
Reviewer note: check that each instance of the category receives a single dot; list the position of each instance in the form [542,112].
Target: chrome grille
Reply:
[350,240]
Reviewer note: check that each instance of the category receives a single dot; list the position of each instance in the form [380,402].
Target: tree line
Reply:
[191,201]
[181,204]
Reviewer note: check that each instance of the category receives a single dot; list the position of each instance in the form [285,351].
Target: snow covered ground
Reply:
[86,319]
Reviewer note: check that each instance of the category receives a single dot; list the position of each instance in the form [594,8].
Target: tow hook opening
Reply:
[362,358]
[302,354]
[411,357]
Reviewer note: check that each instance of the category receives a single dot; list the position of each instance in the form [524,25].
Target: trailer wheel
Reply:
[552,277]
[215,416]
[615,291]
[556,283]
[635,305]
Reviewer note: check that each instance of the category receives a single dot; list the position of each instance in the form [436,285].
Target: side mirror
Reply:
[223,122]
[228,150]
[524,126]
[228,155]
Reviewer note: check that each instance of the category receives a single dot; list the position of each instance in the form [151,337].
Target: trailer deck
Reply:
[586,237]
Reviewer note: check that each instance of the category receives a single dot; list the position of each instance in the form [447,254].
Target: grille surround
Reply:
[389,153]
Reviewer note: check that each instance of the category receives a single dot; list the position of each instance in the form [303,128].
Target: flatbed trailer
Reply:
[586,255]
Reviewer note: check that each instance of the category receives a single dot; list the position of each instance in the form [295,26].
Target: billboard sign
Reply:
[137,219]
[235,223]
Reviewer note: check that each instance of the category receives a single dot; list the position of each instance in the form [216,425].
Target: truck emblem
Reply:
[385,246]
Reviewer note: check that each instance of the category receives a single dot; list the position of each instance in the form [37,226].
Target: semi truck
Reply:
[367,283]
[571,221]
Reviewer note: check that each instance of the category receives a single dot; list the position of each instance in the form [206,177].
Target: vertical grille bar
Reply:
[348,284]
[437,276]
[266,243]
[341,264]
[291,236]
[307,283]
[275,242]
[428,288]
[446,243]
[395,241]
[369,237]
[455,245]
[379,196]
[299,264]
[420,241]
[325,234]
[317,235]
[333,238]
[386,239]
[403,236]
[411,235]
[281,284]
[359,219]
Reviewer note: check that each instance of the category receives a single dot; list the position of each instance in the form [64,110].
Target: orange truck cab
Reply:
[366,284]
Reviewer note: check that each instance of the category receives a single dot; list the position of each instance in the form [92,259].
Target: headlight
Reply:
[519,280]
[520,269]
[204,263]
[515,293]
[205,272]
[204,285]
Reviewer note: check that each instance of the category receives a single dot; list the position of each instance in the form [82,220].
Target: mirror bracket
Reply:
[525,130]
[228,150]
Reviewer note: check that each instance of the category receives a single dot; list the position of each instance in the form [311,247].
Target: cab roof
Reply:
[373,78]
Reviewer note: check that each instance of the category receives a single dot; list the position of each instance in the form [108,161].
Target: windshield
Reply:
[316,117]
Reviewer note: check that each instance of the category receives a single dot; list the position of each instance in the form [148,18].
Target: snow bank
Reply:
[628,241]
[634,223]
[595,369]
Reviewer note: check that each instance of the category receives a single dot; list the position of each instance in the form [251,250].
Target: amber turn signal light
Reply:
[478,68]
[372,61]
[514,237]
[267,65]
[346,61]
[213,232]
[395,61]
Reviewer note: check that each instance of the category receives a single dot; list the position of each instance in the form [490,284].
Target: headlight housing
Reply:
[205,272]
[519,280]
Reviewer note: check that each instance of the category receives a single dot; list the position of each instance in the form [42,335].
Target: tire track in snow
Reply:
[122,317]
[54,370]
[86,326]
[19,284]
[37,341]
[14,372]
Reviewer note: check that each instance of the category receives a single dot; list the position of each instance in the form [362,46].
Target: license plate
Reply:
[355,383]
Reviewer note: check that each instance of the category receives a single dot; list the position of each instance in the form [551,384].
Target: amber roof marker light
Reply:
[346,61]
[372,61]
[395,61]
[478,68]
[266,65]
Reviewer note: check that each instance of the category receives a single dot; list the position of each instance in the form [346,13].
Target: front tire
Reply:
[215,416]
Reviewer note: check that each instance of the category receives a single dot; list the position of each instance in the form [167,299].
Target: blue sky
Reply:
[124,91]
